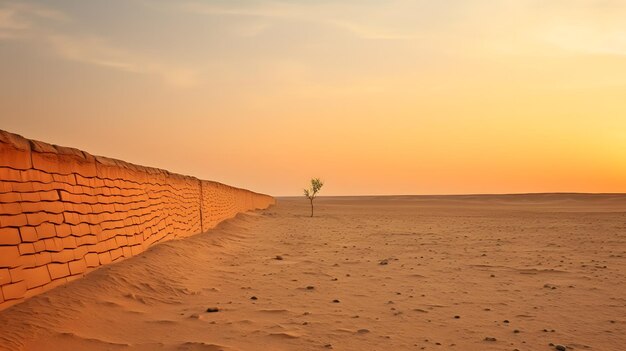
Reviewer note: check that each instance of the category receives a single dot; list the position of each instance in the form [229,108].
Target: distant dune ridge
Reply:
[65,212]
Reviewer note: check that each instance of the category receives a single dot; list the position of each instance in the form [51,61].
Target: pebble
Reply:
[488,338]
[212,309]
[254,298]
[560,348]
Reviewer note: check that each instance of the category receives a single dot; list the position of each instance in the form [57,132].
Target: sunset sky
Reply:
[375,97]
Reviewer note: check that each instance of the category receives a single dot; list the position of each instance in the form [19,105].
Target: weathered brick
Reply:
[46,230]
[39,245]
[26,248]
[92,260]
[9,256]
[117,253]
[104,257]
[28,234]
[78,267]
[28,261]
[11,208]
[14,221]
[14,291]
[43,258]
[58,270]
[35,277]
[5,276]
[9,236]
[127,251]
[62,256]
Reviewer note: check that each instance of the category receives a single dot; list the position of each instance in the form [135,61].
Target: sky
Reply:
[374,97]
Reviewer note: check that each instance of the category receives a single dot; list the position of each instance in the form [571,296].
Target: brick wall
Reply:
[64,212]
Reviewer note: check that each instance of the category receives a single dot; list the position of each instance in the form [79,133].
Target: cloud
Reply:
[29,22]
[17,18]
[312,13]
[98,52]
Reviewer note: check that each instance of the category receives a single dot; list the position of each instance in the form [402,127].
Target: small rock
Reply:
[212,309]
[560,347]
[310,287]
[335,301]
[279,258]
[488,338]
[505,321]
[384,262]
[457,317]
[254,298]
[516,331]
[363,331]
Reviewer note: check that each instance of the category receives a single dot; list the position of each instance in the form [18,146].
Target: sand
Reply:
[367,273]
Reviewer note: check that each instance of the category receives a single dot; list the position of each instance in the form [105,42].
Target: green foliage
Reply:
[311,192]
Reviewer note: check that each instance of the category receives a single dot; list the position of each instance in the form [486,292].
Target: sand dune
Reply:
[368,273]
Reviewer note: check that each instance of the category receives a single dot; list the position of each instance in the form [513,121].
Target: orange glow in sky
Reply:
[374,97]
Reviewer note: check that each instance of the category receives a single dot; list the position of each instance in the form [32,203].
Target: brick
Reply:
[43,258]
[39,245]
[86,240]
[9,236]
[35,277]
[11,208]
[63,230]
[14,291]
[9,256]
[69,242]
[117,253]
[52,245]
[10,175]
[136,249]
[14,221]
[35,219]
[80,252]
[33,175]
[46,230]
[105,257]
[78,267]
[5,276]
[49,196]
[17,274]
[58,270]
[92,260]
[62,257]
[127,251]
[31,197]
[28,261]
[28,234]
[26,248]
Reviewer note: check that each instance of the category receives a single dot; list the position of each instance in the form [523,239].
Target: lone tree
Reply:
[311,193]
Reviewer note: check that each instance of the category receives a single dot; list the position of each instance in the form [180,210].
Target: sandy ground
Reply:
[370,273]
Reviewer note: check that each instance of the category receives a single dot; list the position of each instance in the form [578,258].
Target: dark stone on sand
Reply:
[335,301]
[279,257]
[560,348]
[212,309]
[489,338]
[254,298]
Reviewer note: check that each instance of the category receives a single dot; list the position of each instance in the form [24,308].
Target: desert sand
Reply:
[516,272]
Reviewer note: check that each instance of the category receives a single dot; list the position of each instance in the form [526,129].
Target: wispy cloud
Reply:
[29,22]
[311,13]
[17,18]
[96,51]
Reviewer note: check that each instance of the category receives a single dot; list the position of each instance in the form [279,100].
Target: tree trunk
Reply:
[311,207]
